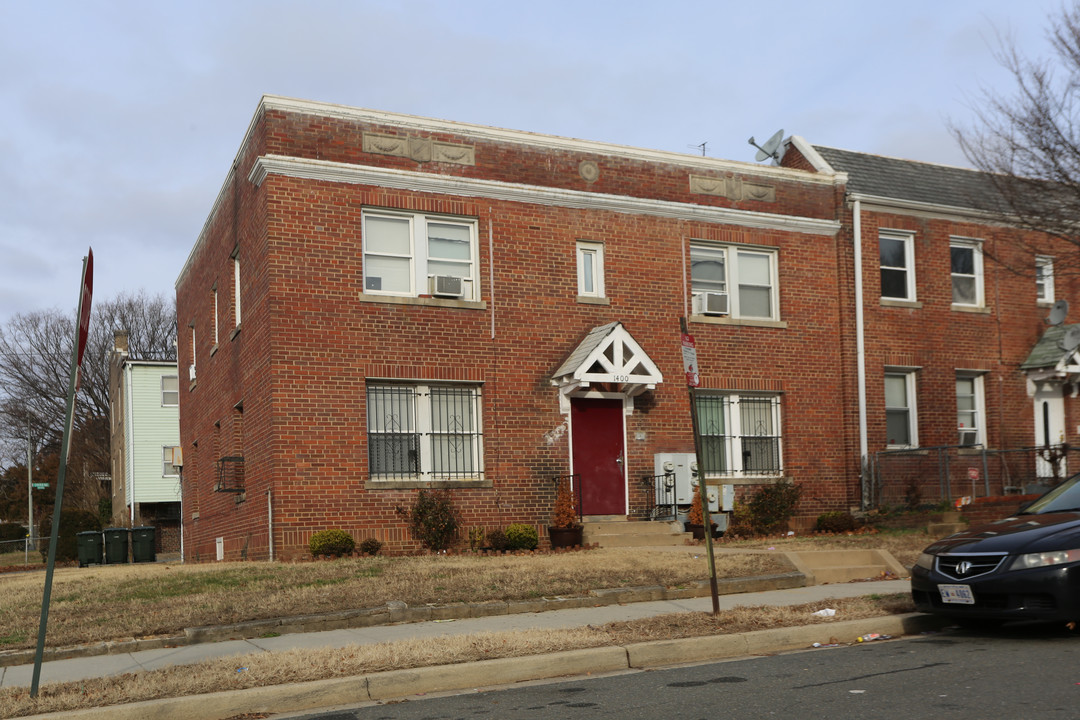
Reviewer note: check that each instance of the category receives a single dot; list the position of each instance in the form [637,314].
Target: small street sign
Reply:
[40,486]
[689,359]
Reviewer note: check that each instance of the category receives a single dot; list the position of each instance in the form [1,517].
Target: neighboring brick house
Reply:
[379,303]
[940,341]
[144,397]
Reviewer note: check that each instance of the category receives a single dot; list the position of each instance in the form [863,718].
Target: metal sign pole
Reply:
[65,445]
[691,367]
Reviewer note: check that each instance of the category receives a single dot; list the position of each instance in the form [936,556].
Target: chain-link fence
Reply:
[947,473]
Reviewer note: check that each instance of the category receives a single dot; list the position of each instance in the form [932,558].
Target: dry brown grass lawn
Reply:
[264,669]
[123,601]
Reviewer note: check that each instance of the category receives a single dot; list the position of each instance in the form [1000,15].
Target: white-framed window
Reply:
[970,408]
[590,269]
[740,434]
[167,467]
[424,432]
[734,280]
[170,390]
[967,272]
[236,289]
[406,254]
[896,253]
[901,416]
[1044,278]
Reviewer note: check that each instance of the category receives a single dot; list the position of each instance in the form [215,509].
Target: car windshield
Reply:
[1065,496]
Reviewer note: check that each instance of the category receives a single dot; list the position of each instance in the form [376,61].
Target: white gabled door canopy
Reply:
[608,354]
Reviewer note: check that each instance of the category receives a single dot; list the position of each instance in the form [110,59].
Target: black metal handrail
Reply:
[663,491]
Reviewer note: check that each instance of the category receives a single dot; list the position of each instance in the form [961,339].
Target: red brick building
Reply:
[947,340]
[380,303]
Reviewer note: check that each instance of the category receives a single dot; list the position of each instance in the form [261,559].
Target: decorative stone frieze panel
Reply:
[419,149]
[732,188]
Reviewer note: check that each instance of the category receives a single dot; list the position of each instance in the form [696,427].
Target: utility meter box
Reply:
[684,467]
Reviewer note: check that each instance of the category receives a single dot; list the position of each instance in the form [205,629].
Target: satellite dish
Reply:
[772,147]
[1058,312]
[1071,339]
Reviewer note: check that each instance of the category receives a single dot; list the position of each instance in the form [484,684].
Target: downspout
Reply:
[270,520]
[860,347]
[129,429]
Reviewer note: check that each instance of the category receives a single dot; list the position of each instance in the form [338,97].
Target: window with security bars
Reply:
[424,432]
[740,435]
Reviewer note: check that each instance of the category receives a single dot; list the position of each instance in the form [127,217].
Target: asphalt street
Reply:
[1017,673]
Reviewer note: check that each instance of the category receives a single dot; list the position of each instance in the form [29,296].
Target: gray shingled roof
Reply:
[1047,352]
[595,336]
[915,181]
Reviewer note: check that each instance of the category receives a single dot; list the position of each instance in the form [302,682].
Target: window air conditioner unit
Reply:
[446,286]
[191,372]
[969,438]
[711,303]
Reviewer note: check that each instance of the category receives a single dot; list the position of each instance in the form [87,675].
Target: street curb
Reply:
[394,684]
[396,611]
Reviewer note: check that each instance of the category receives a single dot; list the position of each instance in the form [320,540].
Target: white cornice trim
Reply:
[923,209]
[521,137]
[813,157]
[472,187]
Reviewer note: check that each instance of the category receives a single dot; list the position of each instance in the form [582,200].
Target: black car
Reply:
[1025,567]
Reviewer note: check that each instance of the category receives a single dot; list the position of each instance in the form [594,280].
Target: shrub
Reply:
[370,546]
[740,524]
[695,516]
[565,515]
[433,519]
[520,536]
[772,506]
[72,522]
[11,531]
[335,542]
[497,540]
[476,538]
[835,521]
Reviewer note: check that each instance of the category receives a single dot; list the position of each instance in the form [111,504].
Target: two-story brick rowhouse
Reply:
[380,303]
[948,321]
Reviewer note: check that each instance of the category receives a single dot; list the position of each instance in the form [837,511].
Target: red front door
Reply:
[599,455]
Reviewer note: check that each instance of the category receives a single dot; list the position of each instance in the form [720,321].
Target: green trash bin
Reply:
[116,544]
[89,545]
[142,544]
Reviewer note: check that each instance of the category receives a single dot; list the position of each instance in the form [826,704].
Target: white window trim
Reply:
[732,283]
[215,294]
[418,253]
[908,239]
[167,458]
[423,429]
[163,391]
[734,433]
[590,254]
[1047,280]
[977,260]
[909,375]
[236,289]
[980,404]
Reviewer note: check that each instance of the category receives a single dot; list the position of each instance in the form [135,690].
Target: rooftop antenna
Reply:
[772,147]
[700,145]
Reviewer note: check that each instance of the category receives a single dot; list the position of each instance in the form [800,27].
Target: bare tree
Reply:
[35,358]
[1028,140]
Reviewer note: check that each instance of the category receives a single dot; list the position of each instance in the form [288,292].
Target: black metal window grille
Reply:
[424,433]
[739,435]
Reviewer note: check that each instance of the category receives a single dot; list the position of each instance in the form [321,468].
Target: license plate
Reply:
[956,594]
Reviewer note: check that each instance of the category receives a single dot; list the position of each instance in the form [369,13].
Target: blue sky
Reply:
[118,120]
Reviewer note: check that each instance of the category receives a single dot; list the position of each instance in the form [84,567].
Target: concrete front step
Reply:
[615,533]
[836,566]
